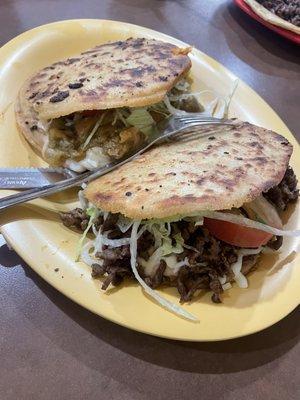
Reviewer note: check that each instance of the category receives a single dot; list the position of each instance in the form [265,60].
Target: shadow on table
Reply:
[214,358]
[285,55]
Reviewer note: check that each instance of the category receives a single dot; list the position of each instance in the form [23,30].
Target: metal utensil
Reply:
[173,128]
[29,178]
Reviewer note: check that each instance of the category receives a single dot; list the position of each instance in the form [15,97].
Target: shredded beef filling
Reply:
[208,257]
[285,192]
[76,218]
[218,255]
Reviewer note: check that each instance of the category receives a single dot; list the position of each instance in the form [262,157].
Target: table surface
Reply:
[50,348]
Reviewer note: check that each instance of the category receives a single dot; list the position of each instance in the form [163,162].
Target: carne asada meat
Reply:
[285,192]
[209,261]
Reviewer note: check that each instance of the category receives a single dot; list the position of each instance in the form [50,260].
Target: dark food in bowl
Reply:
[289,10]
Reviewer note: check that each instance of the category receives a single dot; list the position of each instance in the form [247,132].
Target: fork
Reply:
[175,127]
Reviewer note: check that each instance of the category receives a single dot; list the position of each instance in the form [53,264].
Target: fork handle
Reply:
[31,194]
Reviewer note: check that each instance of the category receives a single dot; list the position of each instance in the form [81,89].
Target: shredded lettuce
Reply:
[88,257]
[44,125]
[161,232]
[166,246]
[141,119]
[184,96]
[159,108]
[93,131]
[169,248]
[155,295]
[102,239]
[93,213]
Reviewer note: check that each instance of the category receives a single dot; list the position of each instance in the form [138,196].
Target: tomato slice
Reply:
[237,235]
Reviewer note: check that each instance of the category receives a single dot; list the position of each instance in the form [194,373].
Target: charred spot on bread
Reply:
[59,96]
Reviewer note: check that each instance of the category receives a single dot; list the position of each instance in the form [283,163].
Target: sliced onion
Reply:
[182,85]
[236,267]
[212,108]
[169,228]
[44,125]
[83,236]
[45,146]
[82,200]
[265,211]
[98,243]
[238,219]
[199,222]
[226,286]
[105,215]
[75,166]
[187,246]
[93,131]
[95,231]
[94,158]
[116,242]
[229,98]
[86,256]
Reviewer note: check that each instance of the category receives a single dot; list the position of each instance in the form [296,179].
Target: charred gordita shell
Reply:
[133,73]
[223,169]
[118,74]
